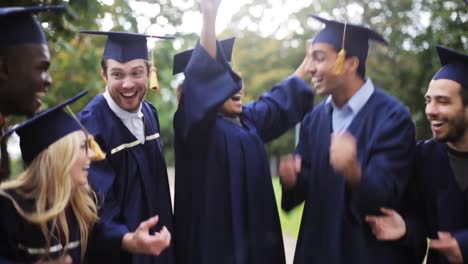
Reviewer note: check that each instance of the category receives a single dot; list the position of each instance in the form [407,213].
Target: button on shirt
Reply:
[133,121]
[343,116]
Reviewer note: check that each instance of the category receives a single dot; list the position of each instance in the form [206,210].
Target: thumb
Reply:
[149,223]
[444,235]
[297,162]
[387,211]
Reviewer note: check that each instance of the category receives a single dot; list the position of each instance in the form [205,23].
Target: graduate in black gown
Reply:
[24,68]
[438,195]
[354,154]
[133,178]
[48,211]
[225,208]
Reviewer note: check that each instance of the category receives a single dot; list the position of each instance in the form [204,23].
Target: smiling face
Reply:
[24,79]
[233,105]
[322,60]
[445,111]
[84,155]
[127,82]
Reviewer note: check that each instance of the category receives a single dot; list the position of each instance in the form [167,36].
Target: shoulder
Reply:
[388,103]
[315,115]
[429,146]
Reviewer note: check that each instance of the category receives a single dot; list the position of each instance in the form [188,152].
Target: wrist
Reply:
[129,243]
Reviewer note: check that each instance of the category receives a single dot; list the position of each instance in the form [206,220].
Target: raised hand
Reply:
[141,241]
[289,168]
[301,71]
[448,246]
[389,226]
[343,157]
[210,6]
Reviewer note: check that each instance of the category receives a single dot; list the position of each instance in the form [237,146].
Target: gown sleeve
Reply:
[281,108]
[208,83]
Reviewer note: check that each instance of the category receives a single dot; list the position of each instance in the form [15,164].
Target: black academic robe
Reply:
[23,242]
[333,229]
[132,181]
[441,205]
[225,210]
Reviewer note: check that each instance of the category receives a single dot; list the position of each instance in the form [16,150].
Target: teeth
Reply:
[129,94]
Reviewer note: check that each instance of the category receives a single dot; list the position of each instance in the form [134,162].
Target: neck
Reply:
[349,88]
[461,144]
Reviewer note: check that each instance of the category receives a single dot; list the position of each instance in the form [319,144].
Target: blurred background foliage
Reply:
[262,56]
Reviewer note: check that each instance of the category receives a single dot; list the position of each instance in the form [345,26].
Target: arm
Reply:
[284,106]
[208,33]
[281,108]
[294,172]
[209,81]
[387,168]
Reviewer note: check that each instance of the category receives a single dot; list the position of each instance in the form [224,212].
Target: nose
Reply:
[91,154]
[47,78]
[431,109]
[127,83]
[311,68]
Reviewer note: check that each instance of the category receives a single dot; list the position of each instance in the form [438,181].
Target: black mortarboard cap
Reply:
[181,59]
[454,66]
[356,39]
[19,26]
[125,46]
[40,131]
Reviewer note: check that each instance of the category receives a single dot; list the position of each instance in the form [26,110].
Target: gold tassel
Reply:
[153,81]
[100,155]
[338,67]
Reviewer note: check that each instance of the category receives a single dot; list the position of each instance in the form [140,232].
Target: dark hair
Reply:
[464,95]
[104,65]
[361,70]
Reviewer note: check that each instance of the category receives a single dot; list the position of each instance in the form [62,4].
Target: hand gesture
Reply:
[210,6]
[141,241]
[389,226]
[289,168]
[343,157]
[447,245]
[301,71]
[62,260]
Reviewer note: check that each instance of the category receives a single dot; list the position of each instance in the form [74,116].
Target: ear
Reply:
[352,64]
[3,68]
[104,75]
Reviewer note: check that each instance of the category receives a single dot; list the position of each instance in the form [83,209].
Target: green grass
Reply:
[291,221]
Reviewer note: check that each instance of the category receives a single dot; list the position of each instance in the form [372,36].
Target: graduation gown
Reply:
[225,210]
[23,242]
[441,204]
[333,229]
[132,181]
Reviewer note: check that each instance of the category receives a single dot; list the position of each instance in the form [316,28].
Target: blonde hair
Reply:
[47,180]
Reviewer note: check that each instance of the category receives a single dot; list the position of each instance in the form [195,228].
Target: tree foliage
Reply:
[404,68]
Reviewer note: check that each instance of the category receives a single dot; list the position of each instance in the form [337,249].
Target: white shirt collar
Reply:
[358,100]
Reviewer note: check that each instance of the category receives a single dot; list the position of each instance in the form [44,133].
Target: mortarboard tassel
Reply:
[338,67]
[153,81]
[100,155]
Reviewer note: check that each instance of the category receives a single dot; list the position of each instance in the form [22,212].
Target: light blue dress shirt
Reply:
[343,116]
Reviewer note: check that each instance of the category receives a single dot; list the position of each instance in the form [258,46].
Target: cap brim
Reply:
[371,34]
[447,56]
[29,9]
[123,34]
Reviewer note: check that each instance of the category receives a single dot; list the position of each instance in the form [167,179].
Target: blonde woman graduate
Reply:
[49,212]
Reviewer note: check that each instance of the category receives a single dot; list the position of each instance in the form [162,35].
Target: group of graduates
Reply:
[95,186]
